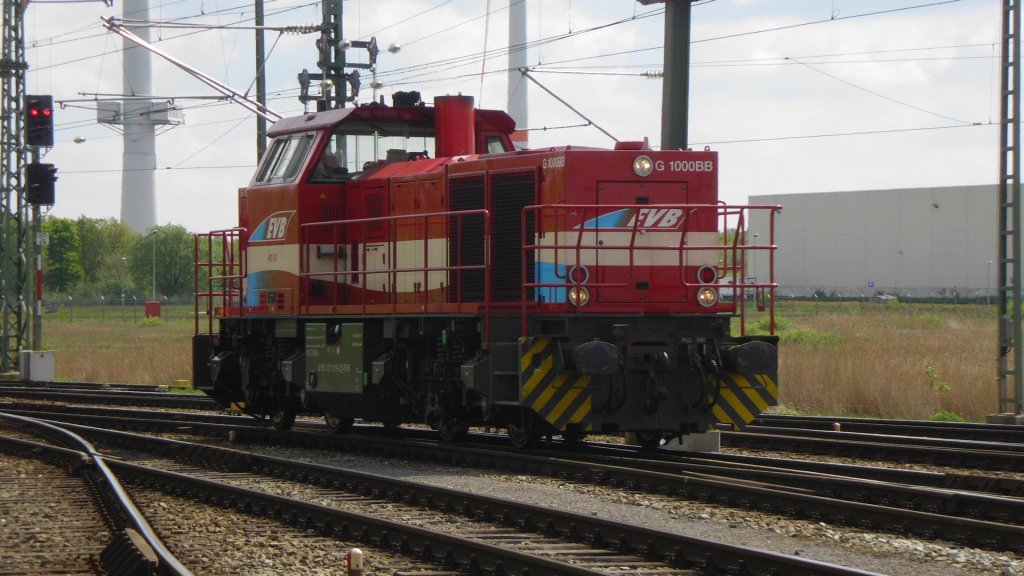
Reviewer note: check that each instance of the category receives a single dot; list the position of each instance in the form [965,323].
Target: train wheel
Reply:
[283,416]
[451,430]
[339,424]
[648,439]
[525,433]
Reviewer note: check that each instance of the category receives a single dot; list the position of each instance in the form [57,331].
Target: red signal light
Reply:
[39,120]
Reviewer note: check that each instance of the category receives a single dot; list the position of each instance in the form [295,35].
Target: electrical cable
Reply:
[838,134]
[103,54]
[878,94]
[403,21]
[471,58]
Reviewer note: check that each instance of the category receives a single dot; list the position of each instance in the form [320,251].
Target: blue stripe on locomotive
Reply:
[550,273]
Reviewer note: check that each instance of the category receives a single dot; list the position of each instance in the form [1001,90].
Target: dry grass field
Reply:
[894,360]
[891,361]
[93,344]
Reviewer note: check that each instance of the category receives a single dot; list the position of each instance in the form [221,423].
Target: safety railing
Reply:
[437,283]
[574,235]
[219,270]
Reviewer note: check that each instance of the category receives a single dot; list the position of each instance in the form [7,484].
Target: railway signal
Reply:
[40,182]
[39,120]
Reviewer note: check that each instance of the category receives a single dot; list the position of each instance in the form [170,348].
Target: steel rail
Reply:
[620,536]
[872,446]
[152,399]
[891,438]
[752,494]
[722,464]
[738,463]
[756,468]
[62,385]
[974,431]
[166,562]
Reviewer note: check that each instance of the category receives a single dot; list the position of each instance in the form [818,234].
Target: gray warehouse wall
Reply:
[920,242]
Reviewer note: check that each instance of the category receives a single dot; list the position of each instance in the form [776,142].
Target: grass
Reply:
[95,345]
[891,361]
[840,358]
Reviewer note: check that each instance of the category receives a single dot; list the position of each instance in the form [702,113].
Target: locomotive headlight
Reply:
[707,274]
[643,166]
[579,296]
[707,297]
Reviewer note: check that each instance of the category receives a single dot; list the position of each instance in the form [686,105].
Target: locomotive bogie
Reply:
[578,375]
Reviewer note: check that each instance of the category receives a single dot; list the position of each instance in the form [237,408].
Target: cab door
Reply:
[639,254]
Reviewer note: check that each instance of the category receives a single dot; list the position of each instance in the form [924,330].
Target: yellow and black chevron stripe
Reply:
[558,396]
[743,396]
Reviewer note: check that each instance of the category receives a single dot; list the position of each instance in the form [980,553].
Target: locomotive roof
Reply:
[400,120]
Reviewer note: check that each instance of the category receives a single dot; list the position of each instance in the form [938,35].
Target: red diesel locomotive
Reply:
[405,263]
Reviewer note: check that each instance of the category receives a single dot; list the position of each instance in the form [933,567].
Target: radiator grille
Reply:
[466,239]
[510,193]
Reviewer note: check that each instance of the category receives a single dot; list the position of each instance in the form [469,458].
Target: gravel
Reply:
[866,550]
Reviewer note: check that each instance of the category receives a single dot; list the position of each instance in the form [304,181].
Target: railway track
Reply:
[904,449]
[111,536]
[67,385]
[1001,433]
[493,536]
[107,397]
[950,444]
[968,517]
[27,542]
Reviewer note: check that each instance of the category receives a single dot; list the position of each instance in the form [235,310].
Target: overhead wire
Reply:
[472,58]
[879,94]
[103,54]
[404,20]
[485,55]
[840,134]
[50,40]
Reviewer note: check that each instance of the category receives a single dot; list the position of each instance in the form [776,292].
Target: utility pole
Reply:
[261,82]
[14,207]
[1009,267]
[675,90]
[332,63]
[331,47]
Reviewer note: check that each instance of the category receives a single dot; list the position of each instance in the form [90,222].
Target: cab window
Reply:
[355,147]
[496,144]
[285,159]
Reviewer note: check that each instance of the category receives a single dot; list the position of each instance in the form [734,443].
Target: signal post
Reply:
[40,180]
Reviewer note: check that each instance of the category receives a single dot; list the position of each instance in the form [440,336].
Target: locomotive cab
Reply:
[406,264]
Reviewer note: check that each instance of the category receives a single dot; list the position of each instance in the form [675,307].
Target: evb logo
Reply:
[274,228]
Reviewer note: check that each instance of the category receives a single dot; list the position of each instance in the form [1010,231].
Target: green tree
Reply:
[63,253]
[90,235]
[169,250]
[106,246]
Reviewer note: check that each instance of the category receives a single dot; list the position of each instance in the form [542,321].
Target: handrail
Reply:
[732,264]
[229,280]
[337,229]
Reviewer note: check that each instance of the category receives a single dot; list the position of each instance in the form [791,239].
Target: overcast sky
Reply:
[796,95]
